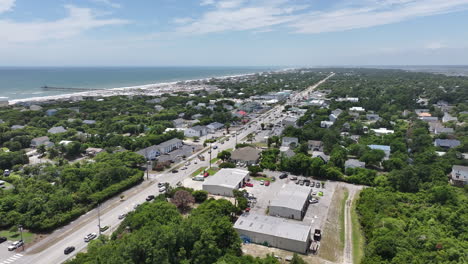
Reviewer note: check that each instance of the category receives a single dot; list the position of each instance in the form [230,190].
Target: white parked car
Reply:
[90,237]
[15,245]
[162,189]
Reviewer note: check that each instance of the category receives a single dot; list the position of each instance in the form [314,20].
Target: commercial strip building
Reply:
[225,181]
[274,232]
[290,202]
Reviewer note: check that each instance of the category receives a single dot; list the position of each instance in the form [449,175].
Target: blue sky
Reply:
[233,32]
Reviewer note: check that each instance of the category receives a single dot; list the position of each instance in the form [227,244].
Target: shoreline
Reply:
[154,89]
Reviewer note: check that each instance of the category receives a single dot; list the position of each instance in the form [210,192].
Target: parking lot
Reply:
[9,257]
[316,214]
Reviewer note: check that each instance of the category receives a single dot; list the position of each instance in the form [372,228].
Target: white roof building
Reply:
[225,181]
[383,131]
[273,231]
[290,202]
[357,109]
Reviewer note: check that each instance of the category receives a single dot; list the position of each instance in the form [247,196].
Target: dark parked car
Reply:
[3,239]
[317,235]
[307,183]
[312,184]
[283,176]
[175,171]
[149,198]
[69,250]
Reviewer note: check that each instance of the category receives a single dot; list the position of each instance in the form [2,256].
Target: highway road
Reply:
[51,249]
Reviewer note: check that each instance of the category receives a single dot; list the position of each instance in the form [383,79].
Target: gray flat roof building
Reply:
[273,231]
[290,202]
[225,181]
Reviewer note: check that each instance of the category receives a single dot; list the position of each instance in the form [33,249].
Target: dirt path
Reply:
[348,242]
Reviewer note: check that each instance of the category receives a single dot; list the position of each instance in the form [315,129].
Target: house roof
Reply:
[290,139]
[320,154]
[198,128]
[450,143]
[246,154]
[315,142]
[381,147]
[55,130]
[353,163]
[460,168]
[229,178]
[291,196]
[273,226]
[215,125]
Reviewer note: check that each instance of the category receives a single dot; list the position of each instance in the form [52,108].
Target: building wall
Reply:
[277,242]
[285,212]
[218,190]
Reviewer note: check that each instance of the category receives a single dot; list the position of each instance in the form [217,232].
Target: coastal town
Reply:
[317,164]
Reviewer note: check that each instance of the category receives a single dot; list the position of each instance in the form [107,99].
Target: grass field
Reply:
[214,160]
[357,235]
[331,242]
[195,173]
[14,236]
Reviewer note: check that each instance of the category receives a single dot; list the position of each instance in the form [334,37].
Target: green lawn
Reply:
[214,160]
[357,235]
[261,178]
[200,170]
[229,149]
[213,170]
[14,236]
[342,216]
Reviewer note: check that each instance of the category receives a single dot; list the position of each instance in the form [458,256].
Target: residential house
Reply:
[150,153]
[346,127]
[422,112]
[348,99]
[51,112]
[196,131]
[89,122]
[337,112]
[290,142]
[373,117]
[459,175]
[197,116]
[93,151]
[158,107]
[35,108]
[354,163]
[357,109]
[178,123]
[429,118]
[333,117]
[384,148]
[317,102]
[315,145]
[15,127]
[246,155]
[447,143]
[447,118]
[444,130]
[289,121]
[213,127]
[326,124]
[321,155]
[382,131]
[287,152]
[56,130]
[433,126]
[36,142]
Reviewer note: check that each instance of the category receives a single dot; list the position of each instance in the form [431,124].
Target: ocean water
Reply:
[21,83]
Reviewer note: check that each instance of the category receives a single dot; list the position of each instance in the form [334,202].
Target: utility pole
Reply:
[20,227]
[99,218]
[147,169]
[210,155]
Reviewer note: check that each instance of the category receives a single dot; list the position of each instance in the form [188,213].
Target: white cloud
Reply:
[108,2]
[207,2]
[6,5]
[238,15]
[435,45]
[380,13]
[77,21]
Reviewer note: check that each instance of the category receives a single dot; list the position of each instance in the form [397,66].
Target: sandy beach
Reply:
[155,89]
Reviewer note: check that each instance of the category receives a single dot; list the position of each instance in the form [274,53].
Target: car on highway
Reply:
[90,237]
[149,198]
[3,239]
[175,171]
[122,216]
[69,250]
[184,168]
[15,245]
[215,147]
